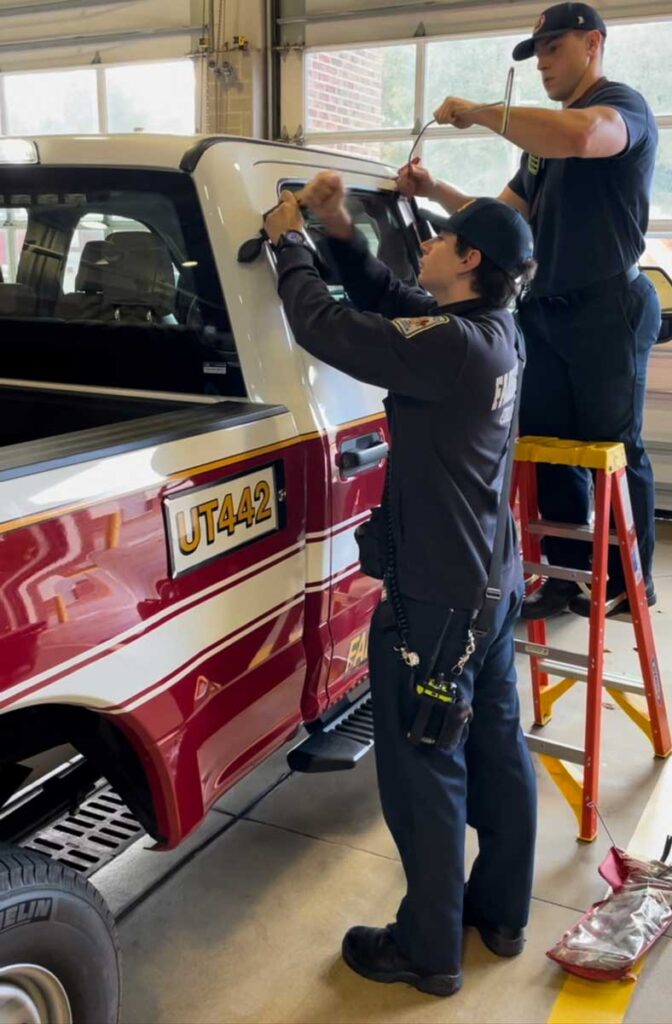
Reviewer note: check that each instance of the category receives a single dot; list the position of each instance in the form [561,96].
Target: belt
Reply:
[590,290]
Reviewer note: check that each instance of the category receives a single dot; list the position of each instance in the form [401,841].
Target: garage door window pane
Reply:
[661,203]
[152,98]
[640,56]
[479,167]
[356,90]
[658,254]
[12,235]
[477,69]
[51,103]
[393,153]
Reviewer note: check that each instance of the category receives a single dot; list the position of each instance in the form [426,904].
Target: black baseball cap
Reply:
[492,227]
[558,20]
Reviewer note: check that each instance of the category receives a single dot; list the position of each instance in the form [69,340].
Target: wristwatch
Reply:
[290,238]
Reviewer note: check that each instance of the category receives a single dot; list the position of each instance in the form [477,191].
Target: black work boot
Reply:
[552,598]
[373,953]
[502,941]
[617,602]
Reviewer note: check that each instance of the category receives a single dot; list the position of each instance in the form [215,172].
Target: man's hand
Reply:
[325,194]
[325,197]
[456,111]
[415,180]
[286,216]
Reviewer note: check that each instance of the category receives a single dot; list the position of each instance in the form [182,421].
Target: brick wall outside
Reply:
[344,90]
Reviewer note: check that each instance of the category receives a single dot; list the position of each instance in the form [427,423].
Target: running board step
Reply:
[339,745]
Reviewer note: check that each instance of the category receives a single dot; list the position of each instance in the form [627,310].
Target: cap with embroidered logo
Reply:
[492,227]
[557,21]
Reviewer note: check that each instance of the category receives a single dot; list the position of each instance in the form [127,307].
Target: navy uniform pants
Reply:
[585,379]
[429,796]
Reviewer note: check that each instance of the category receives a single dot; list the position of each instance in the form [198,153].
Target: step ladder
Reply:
[555,671]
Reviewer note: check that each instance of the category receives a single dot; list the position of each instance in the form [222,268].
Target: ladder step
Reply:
[555,653]
[569,665]
[339,745]
[613,680]
[562,751]
[547,528]
[557,572]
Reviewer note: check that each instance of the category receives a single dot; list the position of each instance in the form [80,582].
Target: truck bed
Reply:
[30,414]
[43,428]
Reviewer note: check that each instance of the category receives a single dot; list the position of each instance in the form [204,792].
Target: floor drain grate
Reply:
[90,837]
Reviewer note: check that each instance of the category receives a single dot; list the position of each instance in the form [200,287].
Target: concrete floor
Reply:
[244,922]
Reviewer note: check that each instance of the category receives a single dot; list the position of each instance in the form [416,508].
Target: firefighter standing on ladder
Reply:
[590,318]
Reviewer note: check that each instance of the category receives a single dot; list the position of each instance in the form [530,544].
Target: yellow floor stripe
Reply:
[592,1002]
[607,1002]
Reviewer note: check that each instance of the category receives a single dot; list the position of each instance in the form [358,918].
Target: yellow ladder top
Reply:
[606,455]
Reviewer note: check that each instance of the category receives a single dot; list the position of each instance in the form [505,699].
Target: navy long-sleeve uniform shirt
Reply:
[451,372]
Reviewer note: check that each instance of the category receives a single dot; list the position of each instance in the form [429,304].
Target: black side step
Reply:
[338,745]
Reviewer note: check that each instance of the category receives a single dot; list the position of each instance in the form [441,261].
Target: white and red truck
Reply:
[179,490]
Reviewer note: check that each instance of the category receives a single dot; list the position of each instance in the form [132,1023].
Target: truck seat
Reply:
[86,302]
[128,277]
[142,286]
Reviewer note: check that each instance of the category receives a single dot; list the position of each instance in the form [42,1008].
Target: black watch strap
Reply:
[290,239]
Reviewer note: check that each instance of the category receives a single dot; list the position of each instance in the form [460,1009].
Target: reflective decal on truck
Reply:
[207,522]
[359,651]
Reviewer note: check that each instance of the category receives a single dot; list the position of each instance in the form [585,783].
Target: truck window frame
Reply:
[407,228]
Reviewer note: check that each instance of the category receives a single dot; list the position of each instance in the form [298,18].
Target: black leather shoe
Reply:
[552,598]
[501,941]
[617,600]
[373,953]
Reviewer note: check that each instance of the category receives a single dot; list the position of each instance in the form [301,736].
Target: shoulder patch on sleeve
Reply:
[409,326]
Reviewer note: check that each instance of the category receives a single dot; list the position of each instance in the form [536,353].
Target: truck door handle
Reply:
[360,453]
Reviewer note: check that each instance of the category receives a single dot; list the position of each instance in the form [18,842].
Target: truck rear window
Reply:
[123,248]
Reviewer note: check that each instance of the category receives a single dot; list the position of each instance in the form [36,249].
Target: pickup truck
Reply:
[179,490]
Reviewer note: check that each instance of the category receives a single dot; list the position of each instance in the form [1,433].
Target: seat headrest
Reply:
[142,273]
[94,266]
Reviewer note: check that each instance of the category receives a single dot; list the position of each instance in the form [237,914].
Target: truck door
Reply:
[356,441]
[340,421]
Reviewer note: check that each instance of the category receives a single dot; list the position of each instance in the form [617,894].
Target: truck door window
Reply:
[377,216]
[122,248]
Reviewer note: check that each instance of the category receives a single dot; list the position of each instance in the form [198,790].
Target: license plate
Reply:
[209,522]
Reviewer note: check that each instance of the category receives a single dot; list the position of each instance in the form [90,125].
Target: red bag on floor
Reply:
[614,934]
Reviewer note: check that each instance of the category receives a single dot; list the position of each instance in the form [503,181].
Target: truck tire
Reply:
[59,955]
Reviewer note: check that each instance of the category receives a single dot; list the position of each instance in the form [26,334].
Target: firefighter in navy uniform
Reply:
[449,360]
[590,318]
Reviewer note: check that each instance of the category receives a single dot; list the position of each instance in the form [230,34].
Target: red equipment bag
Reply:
[615,933]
